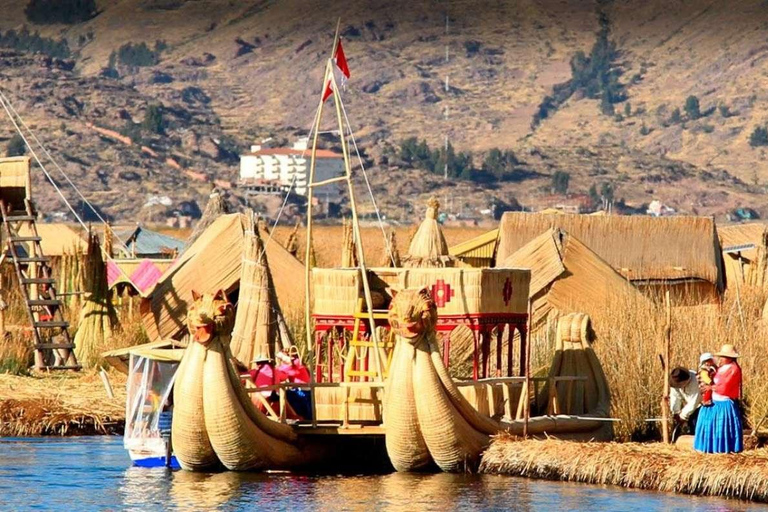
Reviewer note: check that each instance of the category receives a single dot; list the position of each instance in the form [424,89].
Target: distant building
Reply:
[269,170]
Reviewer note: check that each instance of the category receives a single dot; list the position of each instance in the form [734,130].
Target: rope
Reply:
[66,177]
[367,183]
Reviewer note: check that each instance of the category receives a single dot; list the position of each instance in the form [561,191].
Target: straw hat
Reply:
[727,350]
[706,356]
[262,359]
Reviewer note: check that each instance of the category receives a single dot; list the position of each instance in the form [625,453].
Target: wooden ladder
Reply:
[38,290]
[359,349]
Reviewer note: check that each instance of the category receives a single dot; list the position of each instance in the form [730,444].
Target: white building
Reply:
[265,165]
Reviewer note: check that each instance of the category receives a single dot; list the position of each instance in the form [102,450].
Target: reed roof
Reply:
[638,247]
[428,247]
[213,262]
[56,239]
[568,276]
[740,234]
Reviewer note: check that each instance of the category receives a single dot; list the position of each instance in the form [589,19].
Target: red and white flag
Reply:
[341,60]
[328,90]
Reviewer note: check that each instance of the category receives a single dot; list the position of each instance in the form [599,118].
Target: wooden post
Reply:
[665,367]
[527,386]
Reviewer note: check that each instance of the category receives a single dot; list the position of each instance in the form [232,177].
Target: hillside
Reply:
[234,72]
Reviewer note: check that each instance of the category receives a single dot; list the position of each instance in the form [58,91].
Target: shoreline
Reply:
[654,467]
[61,404]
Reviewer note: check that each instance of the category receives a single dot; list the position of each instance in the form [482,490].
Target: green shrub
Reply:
[139,55]
[153,120]
[25,41]
[692,107]
[759,137]
[560,182]
[16,146]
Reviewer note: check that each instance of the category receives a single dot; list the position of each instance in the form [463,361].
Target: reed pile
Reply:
[654,466]
[61,404]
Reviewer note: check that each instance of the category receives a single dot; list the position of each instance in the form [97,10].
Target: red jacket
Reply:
[728,381]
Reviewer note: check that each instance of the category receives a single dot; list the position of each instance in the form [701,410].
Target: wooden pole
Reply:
[308,253]
[665,367]
[356,230]
[525,337]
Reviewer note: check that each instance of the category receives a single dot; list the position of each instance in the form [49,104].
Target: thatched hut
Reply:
[679,254]
[478,252]
[745,253]
[568,277]
[428,246]
[213,262]
[216,207]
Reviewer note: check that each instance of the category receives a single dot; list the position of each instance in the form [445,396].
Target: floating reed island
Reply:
[656,466]
[60,405]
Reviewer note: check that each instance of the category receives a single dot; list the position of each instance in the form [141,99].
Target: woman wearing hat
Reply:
[719,428]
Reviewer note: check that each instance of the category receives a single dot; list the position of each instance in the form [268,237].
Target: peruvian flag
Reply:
[341,60]
[328,90]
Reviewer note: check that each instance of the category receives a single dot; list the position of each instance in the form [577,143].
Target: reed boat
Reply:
[380,347]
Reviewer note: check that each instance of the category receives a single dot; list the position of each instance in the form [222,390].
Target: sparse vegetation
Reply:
[596,75]
[676,117]
[560,182]
[692,108]
[759,137]
[16,146]
[153,120]
[137,55]
[60,11]
[26,41]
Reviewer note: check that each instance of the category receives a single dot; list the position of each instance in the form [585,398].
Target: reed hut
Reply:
[260,328]
[214,262]
[478,252]
[678,254]
[428,246]
[568,277]
[745,253]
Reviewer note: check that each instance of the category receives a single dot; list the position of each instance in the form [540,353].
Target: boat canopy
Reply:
[166,351]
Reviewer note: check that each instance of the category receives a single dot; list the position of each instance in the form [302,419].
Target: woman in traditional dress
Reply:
[719,427]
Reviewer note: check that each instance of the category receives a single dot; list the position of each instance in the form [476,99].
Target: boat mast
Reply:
[329,79]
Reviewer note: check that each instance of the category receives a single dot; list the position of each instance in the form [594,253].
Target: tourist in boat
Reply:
[719,428]
[264,375]
[296,372]
[684,399]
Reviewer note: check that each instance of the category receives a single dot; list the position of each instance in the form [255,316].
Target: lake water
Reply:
[94,473]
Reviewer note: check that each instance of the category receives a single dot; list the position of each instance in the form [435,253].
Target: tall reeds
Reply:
[630,339]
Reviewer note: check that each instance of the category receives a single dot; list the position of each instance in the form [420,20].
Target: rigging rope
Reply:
[66,177]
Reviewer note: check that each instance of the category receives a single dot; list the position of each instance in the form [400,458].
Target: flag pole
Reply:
[308,252]
[356,230]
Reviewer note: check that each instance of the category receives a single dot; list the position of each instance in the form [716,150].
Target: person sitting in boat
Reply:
[684,399]
[707,370]
[295,371]
[719,428]
[264,375]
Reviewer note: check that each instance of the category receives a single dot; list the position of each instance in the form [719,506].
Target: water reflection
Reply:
[92,474]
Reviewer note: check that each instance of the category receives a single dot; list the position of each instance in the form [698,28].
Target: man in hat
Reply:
[684,398]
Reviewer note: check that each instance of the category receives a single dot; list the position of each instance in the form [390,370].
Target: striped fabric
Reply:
[719,428]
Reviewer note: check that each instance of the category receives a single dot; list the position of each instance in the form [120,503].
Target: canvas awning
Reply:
[164,351]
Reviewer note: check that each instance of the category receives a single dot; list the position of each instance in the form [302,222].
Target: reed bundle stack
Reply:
[260,328]
[216,207]
[348,246]
[658,467]
[70,277]
[98,318]
[428,246]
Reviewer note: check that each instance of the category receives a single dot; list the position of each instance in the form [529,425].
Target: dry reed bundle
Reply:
[260,328]
[391,258]
[216,207]
[428,246]
[292,243]
[642,466]
[60,404]
[98,319]
[348,246]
